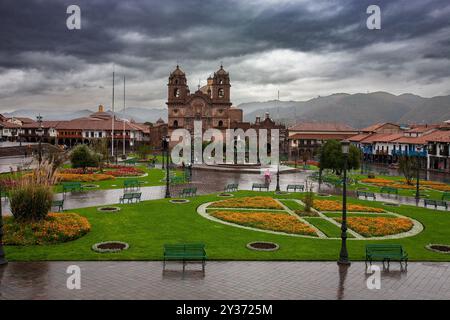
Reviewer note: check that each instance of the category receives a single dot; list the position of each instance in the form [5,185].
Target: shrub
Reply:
[83,157]
[30,201]
[309,201]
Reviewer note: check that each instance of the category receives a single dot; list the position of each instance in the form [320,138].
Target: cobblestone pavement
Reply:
[222,280]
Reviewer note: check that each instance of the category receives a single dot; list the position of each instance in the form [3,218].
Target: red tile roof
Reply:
[321,126]
[359,137]
[320,136]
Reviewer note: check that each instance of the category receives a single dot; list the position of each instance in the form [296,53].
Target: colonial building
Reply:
[210,104]
[306,138]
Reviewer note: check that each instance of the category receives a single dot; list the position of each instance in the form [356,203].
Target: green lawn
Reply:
[331,230]
[148,225]
[155,177]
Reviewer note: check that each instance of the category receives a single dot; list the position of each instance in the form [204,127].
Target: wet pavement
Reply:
[222,280]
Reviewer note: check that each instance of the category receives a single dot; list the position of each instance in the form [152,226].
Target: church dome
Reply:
[177,72]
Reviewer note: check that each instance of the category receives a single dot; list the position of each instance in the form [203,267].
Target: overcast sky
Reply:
[302,48]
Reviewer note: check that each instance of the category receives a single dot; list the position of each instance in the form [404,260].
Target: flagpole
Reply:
[112,121]
[124,116]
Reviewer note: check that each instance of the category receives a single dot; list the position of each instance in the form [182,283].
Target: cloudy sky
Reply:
[304,48]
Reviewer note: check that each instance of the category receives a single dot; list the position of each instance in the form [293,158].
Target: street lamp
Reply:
[418,150]
[166,141]
[343,256]
[2,253]
[40,133]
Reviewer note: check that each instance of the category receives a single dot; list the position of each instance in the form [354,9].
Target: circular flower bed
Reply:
[224,195]
[68,177]
[390,204]
[90,186]
[179,201]
[55,228]
[263,246]
[108,209]
[110,246]
[441,248]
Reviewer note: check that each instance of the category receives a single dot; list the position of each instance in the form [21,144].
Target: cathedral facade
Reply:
[210,104]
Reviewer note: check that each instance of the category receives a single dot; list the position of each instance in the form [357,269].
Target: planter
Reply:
[110,246]
[440,248]
[176,201]
[90,186]
[263,246]
[108,209]
[225,195]
[281,192]
[391,204]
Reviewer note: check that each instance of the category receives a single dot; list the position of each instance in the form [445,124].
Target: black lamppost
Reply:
[362,160]
[278,178]
[40,133]
[343,256]
[418,150]
[2,253]
[166,141]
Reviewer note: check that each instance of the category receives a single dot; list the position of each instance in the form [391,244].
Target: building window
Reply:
[175,123]
[221,93]
[220,123]
[176,93]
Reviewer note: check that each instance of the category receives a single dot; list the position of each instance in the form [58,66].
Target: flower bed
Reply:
[55,228]
[282,222]
[378,226]
[333,205]
[125,172]
[249,202]
[88,170]
[67,177]
[380,182]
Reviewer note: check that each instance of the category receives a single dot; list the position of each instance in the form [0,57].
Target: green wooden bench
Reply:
[131,184]
[131,161]
[365,194]
[445,196]
[389,190]
[184,253]
[58,204]
[126,196]
[188,192]
[436,203]
[137,196]
[386,252]
[175,179]
[231,187]
[295,187]
[260,186]
[71,187]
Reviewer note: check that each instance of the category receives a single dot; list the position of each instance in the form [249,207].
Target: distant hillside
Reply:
[358,110]
[138,114]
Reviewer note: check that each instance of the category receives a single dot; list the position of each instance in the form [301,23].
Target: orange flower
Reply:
[248,202]
[378,226]
[282,222]
[66,177]
[333,205]
[55,228]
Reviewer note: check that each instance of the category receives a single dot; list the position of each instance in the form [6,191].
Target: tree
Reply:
[83,157]
[406,166]
[331,157]
[100,147]
[143,151]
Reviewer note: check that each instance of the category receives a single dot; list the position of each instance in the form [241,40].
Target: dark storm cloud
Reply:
[146,37]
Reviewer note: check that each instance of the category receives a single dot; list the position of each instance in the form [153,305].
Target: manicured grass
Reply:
[146,226]
[293,205]
[331,230]
[154,177]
